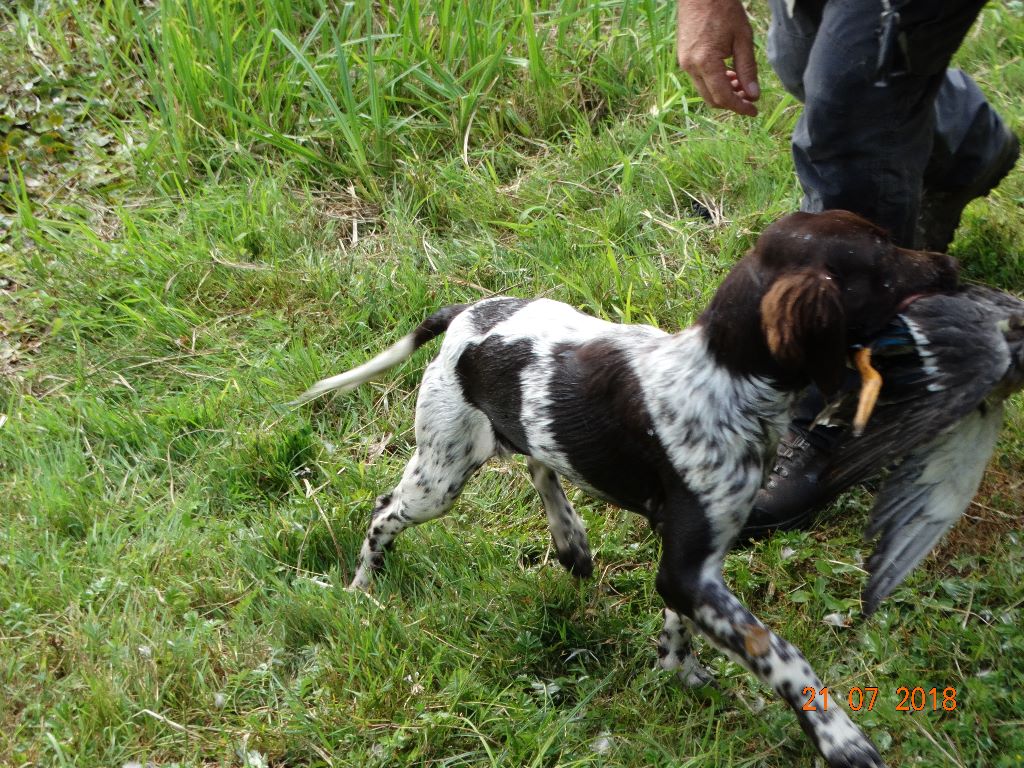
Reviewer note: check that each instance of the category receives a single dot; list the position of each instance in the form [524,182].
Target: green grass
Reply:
[207,204]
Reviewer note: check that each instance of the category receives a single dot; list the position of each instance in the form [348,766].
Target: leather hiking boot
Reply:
[793,496]
[941,211]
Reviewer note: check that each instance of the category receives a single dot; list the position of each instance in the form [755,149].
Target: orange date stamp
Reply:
[916,699]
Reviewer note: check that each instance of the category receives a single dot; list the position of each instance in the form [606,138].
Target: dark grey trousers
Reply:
[877,149]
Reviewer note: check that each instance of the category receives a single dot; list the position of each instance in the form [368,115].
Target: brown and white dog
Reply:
[676,427]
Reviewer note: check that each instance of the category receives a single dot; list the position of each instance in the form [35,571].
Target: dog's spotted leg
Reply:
[690,581]
[675,652]
[452,441]
[780,665]
[567,530]
[425,492]
[385,524]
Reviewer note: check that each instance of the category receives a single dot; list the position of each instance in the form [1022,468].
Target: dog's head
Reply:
[818,283]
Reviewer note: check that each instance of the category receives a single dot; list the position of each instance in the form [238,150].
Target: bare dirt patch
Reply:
[17,341]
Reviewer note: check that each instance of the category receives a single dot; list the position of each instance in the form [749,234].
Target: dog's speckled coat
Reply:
[674,427]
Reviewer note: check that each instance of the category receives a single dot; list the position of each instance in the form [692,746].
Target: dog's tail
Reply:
[397,353]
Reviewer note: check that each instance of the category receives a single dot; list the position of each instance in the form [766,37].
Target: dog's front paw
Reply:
[690,672]
[861,757]
[693,674]
[844,745]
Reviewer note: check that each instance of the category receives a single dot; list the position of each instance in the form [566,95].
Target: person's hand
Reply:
[708,32]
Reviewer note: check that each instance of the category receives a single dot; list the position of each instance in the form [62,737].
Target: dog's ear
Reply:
[805,326]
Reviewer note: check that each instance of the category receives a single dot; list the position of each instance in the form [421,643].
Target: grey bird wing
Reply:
[939,360]
[947,362]
[923,498]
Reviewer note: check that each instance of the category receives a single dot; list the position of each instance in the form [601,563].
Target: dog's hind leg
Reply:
[567,530]
[452,440]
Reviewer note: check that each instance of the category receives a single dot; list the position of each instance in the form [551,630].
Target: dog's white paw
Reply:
[693,674]
[360,582]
